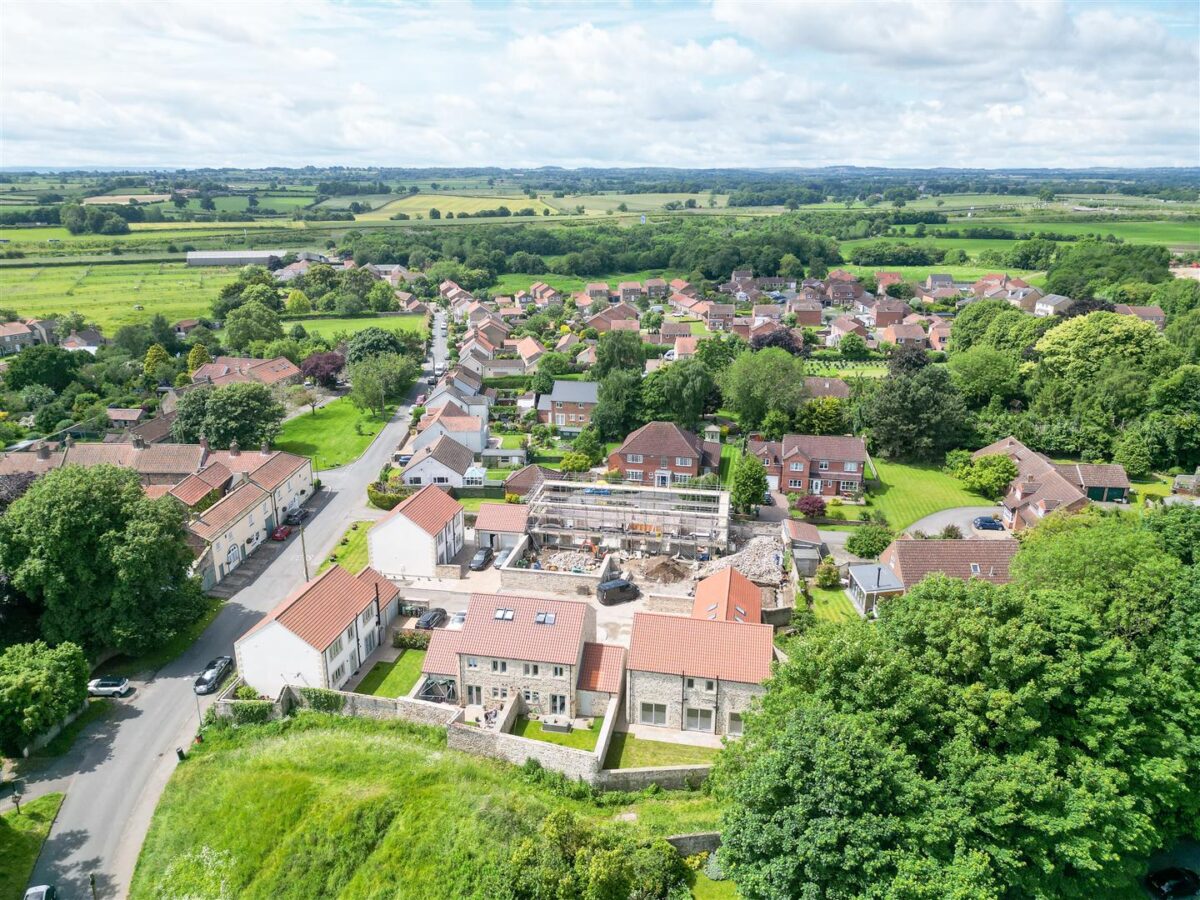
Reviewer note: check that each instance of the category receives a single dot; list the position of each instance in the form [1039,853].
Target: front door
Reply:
[662,479]
[816,486]
[474,695]
[233,557]
[558,704]
[370,641]
[560,420]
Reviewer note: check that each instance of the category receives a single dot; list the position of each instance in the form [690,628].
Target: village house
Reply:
[766,312]
[825,386]
[909,560]
[728,596]
[120,417]
[939,334]
[229,531]
[807,312]
[445,462]
[718,316]
[685,346]
[902,335]
[1152,314]
[886,312]
[695,674]
[679,286]
[470,431]
[512,646]
[569,405]
[682,304]
[445,393]
[605,319]
[319,636]
[842,326]
[826,465]
[237,369]
[662,453]
[656,288]
[630,291]
[597,290]
[1052,305]
[424,531]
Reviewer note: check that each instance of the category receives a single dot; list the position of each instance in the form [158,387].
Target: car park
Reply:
[282,533]
[617,590]
[212,676]
[481,559]
[1174,882]
[988,523]
[109,686]
[431,618]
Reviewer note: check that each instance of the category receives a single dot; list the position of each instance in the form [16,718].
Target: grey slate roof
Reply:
[571,392]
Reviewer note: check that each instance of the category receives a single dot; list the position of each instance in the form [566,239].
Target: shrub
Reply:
[869,541]
[713,868]
[827,576]
[382,497]
[411,640]
[252,712]
[696,861]
[322,700]
[810,506]
[951,533]
[512,498]
[245,692]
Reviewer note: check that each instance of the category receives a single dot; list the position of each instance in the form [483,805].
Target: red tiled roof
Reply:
[912,559]
[826,387]
[191,490]
[387,590]
[229,509]
[277,469]
[729,596]
[828,446]
[521,637]
[527,478]
[662,439]
[506,517]
[601,668]
[674,645]
[802,531]
[442,656]
[154,491]
[320,610]
[429,509]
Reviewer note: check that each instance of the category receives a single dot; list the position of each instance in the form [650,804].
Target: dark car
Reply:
[481,559]
[212,676]
[297,516]
[618,590]
[767,499]
[432,618]
[1173,882]
[987,523]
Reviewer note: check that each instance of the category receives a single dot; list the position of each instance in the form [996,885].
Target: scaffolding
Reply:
[627,517]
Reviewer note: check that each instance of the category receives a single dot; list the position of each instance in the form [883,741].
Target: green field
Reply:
[507,285]
[324,806]
[334,435]
[328,327]
[420,204]
[21,838]
[907,493]
[108,294]
[351,551]
[393,679]
[599,204]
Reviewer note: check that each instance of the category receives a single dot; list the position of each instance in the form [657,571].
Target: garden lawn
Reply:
[1154,487]
[832,605]
[393,679]
[329,436]
[472,504]
[21,838]
[730,454]
[511,441]
[326,806]
[704,888]
[907,493]
[328,327]
[578,738]
[628,752]
[352,554]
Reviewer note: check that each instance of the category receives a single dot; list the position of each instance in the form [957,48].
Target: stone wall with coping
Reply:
[697,842]
[609,725]
[572,584]
[670,778]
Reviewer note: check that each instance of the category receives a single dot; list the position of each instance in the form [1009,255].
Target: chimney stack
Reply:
[43,451]
[139,442]
[234,450]
[69,440]
[265,449]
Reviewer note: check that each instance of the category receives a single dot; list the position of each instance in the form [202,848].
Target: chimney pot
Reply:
[69,440]
[43,452]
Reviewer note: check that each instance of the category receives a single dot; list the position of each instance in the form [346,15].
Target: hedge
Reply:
[383,499]
[411,640]
[323,700]
[252,712]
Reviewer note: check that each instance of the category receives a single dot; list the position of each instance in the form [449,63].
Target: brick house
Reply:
[718,316]
[887,311]
[807,312]
[597,290]
[828,465]
[766,312]
[908,560]
[1152,314]
[630,291]
[569,405]
[656,288]
[842,326]
[902,335]
[662,453]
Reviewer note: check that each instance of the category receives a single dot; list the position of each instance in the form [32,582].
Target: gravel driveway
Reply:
[962,517]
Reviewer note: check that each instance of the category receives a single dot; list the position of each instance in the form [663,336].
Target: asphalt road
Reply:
[116,772]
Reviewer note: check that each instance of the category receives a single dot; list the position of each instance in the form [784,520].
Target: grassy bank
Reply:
[351,551]
[21,839]
[334,435]
[321,806]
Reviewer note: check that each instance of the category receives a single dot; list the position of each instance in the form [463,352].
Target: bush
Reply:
[951,533]
[322,700]
[252,712]
[381,497]
[827,576]
[411,640]
[512,498]
[245,692]
[810,506]
[869,541]
[713,868]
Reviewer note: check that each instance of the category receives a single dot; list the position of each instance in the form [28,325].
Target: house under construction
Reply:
[629,517]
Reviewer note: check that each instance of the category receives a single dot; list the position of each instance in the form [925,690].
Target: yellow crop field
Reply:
[420,204]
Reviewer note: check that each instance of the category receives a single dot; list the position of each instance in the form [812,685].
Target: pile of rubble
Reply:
[569,560]
[761,560]
[663,569]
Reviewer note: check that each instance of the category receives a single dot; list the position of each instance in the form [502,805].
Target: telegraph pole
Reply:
[304,551]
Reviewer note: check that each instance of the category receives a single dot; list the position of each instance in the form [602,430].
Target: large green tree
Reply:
[982,374]
[747,482]
[679,392]
[917,417]
[757,382]
[618,351]
[250,322]
[1078,348]
[106,565]
[39,686]
[244,412]
[619,404]
[372,342]
[380,378]
[42,364]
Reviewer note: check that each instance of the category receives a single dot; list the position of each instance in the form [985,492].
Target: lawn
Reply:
[329,326]
[153,660]
[1155,487]
[351,551]
[848,369]
[325,806]
[628,752]
[334,435]
[511,441]
[704,888]
[21,838]
[730,454]
[907,493]
[393,679]
[832,605]
[569,284]
[579,738]
[472,504]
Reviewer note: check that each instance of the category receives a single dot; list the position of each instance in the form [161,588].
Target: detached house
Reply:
[569,405]
[319,635]
[1052,305]
[826,465]
[907,561]
[14,337]
[630,291]
[1152,314]
[718,316]
[233,369]
[886,312]
[767,312]
[656,288]
[905,335]
[662,453]
[423,532]
[842,326]
[807,312]
[444,462]
[470,431]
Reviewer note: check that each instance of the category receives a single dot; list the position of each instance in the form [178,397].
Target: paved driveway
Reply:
[961,516]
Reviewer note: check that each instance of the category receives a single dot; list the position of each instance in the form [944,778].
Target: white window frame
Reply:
[559,671]
[700,715]
[472,662]
[851,466]
[531,670]
[735,723]
[653,714]
[796,467]
[848,485]
[796,483]
[683,461]
[823,465]
[500,666]
[710,686]
[634,474]
[633,457]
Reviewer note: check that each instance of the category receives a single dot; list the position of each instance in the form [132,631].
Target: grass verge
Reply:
[351,551]
[579,738]
[21,839]
[334,435]
[628,752]
[393,679]
[98,708]
[153,660]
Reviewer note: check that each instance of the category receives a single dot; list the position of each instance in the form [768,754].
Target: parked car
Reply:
[1173,882]
[767,499]
[988,523]
[296,516]
[618,590]
[282,533]
[431,380]
[42,892]
[420,401]
[432,618]
[212,676]
[458,620]
[109,686]
[502,557]
[480,560]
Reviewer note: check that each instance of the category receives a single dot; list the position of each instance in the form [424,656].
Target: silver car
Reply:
[109,686]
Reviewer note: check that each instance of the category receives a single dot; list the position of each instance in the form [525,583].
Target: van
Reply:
[618,590]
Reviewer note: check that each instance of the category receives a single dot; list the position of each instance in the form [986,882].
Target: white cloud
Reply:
[894,82]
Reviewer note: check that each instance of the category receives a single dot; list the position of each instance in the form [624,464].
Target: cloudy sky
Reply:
[723,83]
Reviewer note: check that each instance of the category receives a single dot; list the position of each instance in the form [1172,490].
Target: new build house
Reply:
[423,532]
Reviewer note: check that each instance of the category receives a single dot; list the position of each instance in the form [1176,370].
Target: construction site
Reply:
[600,518]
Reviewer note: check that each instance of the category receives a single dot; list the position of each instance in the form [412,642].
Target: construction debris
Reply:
[570,561]
[663,569]
[761,560]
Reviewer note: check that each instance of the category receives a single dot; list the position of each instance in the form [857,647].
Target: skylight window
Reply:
[740,609]
[544,618]
[712,607]
[504,615]
[974,568]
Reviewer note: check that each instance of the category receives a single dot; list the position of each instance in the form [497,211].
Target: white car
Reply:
[109,686]
[458,620]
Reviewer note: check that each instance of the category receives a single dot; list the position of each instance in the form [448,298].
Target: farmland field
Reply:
[509,284]
[328,327]
[634,203]
[107,294]
[325,806]
[420,204]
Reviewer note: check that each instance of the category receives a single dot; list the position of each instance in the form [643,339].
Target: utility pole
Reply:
[304,551]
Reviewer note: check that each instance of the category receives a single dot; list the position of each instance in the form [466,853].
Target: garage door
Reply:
[773,482]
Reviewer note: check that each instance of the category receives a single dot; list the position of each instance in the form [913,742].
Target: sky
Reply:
[726,83]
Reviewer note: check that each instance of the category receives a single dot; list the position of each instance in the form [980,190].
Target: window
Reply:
[823,465]
[633,457]
[472,662]
[350,633]
[544,618]
[796,483]
[474,695]
[334,649]
[797,467]
[531,668]
[654,714]
[532,697]
[473,480]
[691,683]
[849,486]
[558,671]
[499,665]
[680,476]
[974,568]
[368,615]
[683,461]
[251,520]
[735,723]
[851,467]
[338,674]
[503,614]
[414,479]
[698,720]
[440,479]
[558,404]
[634,474]
[558,703]
[710,686]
